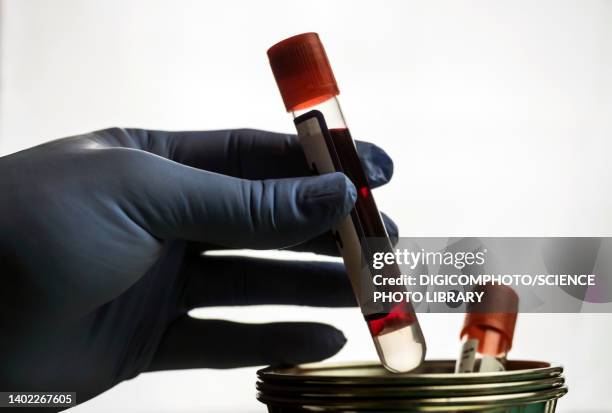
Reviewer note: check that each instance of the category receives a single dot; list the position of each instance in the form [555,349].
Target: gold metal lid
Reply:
[431,372]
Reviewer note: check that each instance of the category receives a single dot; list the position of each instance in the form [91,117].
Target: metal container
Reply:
[526,387]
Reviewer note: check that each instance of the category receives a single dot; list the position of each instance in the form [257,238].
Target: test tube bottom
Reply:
[400,350]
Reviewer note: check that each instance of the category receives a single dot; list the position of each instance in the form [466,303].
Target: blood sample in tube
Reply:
[309,91]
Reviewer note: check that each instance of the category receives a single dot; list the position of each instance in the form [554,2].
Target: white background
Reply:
[497,113]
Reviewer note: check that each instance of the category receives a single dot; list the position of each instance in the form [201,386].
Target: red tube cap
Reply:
[302,71]
[497,310]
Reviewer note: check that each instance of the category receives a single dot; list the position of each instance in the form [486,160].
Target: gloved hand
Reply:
[100,254]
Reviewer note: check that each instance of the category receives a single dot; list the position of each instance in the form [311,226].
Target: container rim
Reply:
[426,404]
[417,391]
[339,373]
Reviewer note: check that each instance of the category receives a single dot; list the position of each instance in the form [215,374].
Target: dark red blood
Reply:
[371,226]
[367,211]
[401,315]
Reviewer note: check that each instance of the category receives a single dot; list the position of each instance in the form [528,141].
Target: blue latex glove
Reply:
[100,254]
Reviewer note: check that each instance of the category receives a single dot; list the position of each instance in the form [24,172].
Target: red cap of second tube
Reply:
[498,311]
[302,71]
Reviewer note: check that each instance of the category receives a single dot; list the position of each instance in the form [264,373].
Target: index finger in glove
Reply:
[249,153]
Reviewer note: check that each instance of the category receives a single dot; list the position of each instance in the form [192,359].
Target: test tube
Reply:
[488,330]
[309,91]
